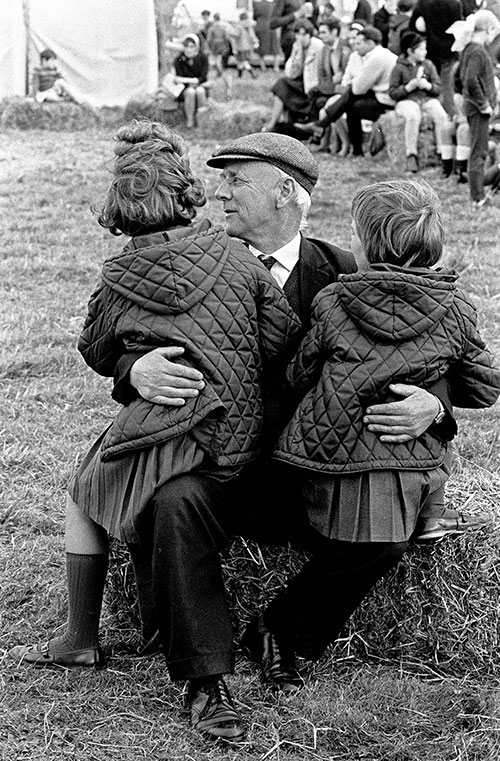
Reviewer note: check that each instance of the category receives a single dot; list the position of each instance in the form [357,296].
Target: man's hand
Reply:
[159,380]
[397,422]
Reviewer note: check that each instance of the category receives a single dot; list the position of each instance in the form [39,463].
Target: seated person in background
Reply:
[338,129]
[415,86]
[291,92]
[191,70]
[332,64]
[368,96]
[48,83]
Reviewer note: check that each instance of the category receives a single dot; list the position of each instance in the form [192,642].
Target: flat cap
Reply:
[281,151]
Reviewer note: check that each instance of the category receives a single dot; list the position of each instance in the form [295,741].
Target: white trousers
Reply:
[412,113]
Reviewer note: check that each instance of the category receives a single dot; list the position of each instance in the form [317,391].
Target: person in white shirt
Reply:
[368,95]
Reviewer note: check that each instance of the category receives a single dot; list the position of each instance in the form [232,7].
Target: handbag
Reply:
[377,139]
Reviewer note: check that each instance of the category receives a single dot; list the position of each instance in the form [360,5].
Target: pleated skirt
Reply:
[376,505]
[116,493]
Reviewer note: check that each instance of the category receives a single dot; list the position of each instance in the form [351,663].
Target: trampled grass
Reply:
[414,678]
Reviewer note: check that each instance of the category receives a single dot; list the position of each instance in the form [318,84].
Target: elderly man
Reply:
[265,189]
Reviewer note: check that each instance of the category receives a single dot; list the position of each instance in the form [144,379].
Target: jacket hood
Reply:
[169,272]
[395,303]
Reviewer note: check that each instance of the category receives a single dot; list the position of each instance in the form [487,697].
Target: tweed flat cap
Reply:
[281,151]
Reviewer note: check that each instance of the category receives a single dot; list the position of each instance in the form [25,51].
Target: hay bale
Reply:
[24,113]
[392,126]
[159,107]
[438,610]
[233,119]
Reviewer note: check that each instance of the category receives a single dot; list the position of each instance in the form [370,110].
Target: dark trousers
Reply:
[189,530]
[310,612]
[479,132]
[356,108]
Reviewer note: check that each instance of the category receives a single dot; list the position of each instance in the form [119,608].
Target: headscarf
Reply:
[194,39]
[475,22]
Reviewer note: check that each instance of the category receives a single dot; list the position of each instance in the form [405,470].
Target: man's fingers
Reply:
[153,393]
[401,439]
[381,421]
[393,430]
[167,400]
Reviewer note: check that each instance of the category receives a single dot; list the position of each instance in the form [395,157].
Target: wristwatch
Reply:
[441,413]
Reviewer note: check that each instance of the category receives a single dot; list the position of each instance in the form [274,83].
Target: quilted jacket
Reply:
[385,325]
[202,290]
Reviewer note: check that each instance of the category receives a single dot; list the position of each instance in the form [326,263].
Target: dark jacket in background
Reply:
[381,21]
[363,12]
[475,79]
[192,67]
[404,71]
[438,15]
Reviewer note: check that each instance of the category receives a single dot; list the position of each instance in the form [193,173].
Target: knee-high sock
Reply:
[86,576]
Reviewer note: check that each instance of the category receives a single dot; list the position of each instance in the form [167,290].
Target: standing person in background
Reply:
[219,45]
[284,14]
[203,31]
[415,86]
[269,44]
[398,24]
[433,18]
[245,41]
[475,80]
[363,12]
[382,19]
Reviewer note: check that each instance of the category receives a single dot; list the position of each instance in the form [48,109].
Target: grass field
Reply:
[52,406]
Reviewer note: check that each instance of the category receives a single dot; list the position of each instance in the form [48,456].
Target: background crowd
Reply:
[336,76]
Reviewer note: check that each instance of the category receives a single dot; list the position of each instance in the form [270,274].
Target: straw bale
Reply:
[392,126]
[25,114]
[437,610]
[232,119]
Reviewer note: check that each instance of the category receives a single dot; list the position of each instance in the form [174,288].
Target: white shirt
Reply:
[286,258]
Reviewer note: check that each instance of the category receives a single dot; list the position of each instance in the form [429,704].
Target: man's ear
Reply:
[285,192]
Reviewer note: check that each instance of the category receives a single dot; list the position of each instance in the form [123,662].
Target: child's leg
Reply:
[435,520]
[190,106]
[479,131]
[86,568]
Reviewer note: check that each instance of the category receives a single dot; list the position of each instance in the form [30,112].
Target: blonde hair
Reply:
[399,222]
[153,187]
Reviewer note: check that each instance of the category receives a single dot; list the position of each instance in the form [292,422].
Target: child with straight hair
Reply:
[475,80]
[398,319]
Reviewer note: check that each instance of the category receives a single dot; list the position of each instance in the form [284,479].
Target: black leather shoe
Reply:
[212,710]
[40,655]
[434,529]
[277,662]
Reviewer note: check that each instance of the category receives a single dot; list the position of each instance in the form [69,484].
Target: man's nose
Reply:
[222,191]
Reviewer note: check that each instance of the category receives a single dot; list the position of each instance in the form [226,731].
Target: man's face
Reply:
[247,193]
[326,34]
[353,39]
[303,37]
[364,45]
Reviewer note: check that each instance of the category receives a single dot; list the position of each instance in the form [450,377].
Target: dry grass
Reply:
[415,676]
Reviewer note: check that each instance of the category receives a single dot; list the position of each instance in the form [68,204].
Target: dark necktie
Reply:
[267,261]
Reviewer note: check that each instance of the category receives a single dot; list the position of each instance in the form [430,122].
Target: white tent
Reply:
[107,50]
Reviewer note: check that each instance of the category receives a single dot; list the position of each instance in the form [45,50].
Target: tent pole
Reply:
[26,14]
